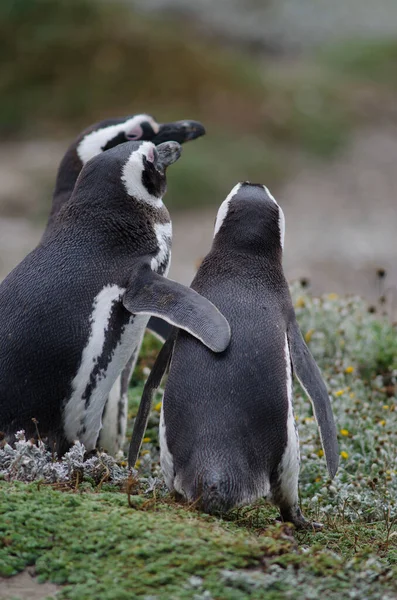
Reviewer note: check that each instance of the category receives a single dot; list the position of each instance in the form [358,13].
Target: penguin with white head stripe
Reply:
[75,309]
[102,136]
[227,429]
[98,138]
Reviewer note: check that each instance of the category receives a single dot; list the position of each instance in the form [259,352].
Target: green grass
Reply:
[95,545]
[95,542]
[98,543]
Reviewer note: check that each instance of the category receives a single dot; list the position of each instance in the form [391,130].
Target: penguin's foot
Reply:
[308,525]
[91,453]
[294,515]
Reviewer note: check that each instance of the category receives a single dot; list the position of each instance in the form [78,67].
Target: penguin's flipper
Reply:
[153,294]
[151,385]
[159,328]
[309,375]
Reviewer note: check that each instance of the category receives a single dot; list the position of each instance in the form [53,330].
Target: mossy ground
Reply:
[98,541]
[96,546]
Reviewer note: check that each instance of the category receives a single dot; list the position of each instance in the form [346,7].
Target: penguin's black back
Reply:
[229,410]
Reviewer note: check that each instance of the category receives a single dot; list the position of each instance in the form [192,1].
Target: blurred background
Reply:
[298,94]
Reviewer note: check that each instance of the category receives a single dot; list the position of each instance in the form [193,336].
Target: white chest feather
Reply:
[289,468]
[164,238]
[166,459]
[91,386]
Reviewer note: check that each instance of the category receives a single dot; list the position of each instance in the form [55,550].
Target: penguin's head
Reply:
[250,219]
[144,171]
[112,132]
[134,169]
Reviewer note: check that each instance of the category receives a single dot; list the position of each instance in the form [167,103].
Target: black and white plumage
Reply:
[227,429]
[107,134]
[94,140]
[75,309]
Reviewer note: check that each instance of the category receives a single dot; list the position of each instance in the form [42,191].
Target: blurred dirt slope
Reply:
[341,216]
[341,220]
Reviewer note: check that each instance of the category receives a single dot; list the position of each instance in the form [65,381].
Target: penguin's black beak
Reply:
[179,131]
[168,153]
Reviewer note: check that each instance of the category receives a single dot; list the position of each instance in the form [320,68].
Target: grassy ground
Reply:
[99,541]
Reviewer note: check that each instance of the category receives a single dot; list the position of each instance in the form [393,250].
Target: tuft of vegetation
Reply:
[101,539]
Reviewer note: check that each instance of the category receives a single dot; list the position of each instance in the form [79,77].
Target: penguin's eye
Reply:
[135,133]
[151,155]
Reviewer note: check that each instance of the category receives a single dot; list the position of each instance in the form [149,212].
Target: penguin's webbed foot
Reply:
[294,515]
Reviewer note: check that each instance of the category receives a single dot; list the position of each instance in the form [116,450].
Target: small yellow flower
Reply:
[123,463]
[309,420]
[332,296]
[158,406]
[339,393]
[320,453]
[309,335]
[352,394]
[382,422]
[146,439]
[344,432]
[318,479]
[349,369]
[144,452]
[344,454]
[297,418]
[137,464]
[300,303]
[385,407]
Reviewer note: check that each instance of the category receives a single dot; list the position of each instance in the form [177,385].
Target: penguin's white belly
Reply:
[111,431]
[166,458]
[91,386]
[290,462]
[114,419]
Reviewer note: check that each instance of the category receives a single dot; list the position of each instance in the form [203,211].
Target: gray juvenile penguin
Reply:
[75,309]
[92,141]
[227,430]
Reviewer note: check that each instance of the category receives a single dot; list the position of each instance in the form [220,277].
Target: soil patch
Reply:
[25,586]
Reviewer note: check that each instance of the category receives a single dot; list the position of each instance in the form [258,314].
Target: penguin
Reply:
[107,134]
[228,435]
[95,139]
[75,309]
